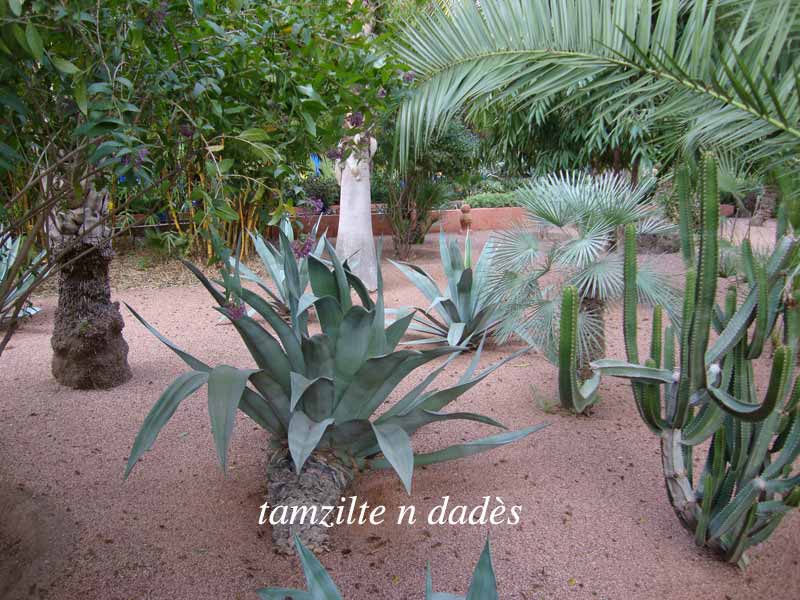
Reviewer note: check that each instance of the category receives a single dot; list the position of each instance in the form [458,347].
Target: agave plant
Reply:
[321,587]
[749,481]
[289,298]
[9,253]
[465,316]
[589,210]
[317,394]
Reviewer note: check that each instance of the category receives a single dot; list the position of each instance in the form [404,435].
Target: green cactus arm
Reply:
[639,373]
[630,295]
[748,262]
[760,332]
[775,391]
[738,324]
[707,271]
[681,408]
[567,348]
[703,425]
[669,348]
[682,186]
[656,339]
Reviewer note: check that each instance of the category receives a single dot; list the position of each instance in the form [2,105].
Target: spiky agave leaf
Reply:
[483,585]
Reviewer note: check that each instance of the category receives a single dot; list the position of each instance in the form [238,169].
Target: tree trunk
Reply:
[596,350]
[89,351]
[322,482]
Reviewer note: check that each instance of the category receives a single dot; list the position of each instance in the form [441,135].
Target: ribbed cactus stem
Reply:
[683,190]
[678,419]
[631,295]
[655,342]
[707,269]
[568,348]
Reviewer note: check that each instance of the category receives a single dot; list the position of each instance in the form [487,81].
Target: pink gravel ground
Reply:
[596,522]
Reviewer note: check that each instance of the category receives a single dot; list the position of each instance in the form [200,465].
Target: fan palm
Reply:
[723,73]
[589,210]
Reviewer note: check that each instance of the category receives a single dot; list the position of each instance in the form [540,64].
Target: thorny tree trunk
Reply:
[88,348]
[596,347]
[322,482]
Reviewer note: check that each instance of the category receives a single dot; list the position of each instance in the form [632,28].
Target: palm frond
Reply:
[730,72]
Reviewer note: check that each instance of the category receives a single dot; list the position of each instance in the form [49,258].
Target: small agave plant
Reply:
[321,587]
[16,290]
[464,315]
[317,395]
[289,299]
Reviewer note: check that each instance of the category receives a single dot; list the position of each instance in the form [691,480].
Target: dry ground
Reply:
[596,522]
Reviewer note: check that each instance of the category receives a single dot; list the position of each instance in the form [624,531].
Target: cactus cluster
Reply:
[698,390]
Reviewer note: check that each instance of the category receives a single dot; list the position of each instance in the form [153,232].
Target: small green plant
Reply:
[707,391]
[317,395]
[464,314]
[12,306]
[321,587]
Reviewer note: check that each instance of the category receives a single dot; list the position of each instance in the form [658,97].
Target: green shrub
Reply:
[492,200]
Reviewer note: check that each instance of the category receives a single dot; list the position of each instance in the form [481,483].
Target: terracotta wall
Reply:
[482,218]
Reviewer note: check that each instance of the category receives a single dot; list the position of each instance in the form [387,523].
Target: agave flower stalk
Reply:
[463,315]
[317,394]
[707,391]
[483,585]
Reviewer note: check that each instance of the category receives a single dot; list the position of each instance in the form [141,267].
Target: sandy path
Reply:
[595,520]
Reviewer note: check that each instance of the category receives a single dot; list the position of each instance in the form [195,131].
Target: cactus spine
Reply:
[749,481]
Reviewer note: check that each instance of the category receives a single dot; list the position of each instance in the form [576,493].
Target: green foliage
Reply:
[574,396]
[492,200]
[749,481]
[14,304]
[693,73]
[483,585]
[465,316]
[317,393]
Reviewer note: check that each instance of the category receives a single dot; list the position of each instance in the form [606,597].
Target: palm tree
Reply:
[722,73]
[589,210]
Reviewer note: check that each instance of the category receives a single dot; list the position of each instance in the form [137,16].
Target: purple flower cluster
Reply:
[317,205]
[409,76]
[335,154]
[356,119]
[302,250]
[381,93]
[235,311]
[186,130]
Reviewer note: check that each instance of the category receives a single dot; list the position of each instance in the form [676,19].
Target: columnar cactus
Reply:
[574,396]
[748,483]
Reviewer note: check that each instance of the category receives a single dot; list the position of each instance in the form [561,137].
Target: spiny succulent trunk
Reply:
[676,477]
[322,482]
[89,351]
[597,349]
